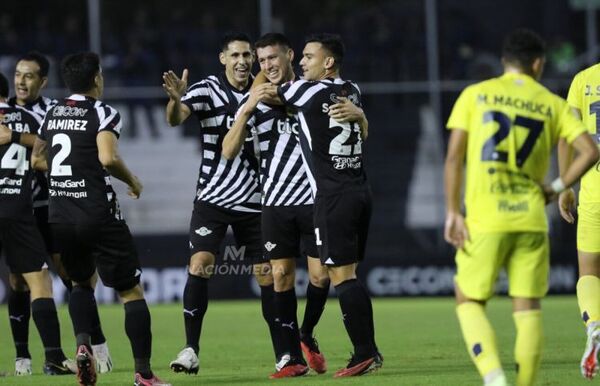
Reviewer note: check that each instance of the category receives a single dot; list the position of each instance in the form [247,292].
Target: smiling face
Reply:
[28,81]
[237,59]
[276,63]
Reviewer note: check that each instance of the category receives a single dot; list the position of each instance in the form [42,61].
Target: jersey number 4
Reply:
[491,153]
[58,166]
[15,158]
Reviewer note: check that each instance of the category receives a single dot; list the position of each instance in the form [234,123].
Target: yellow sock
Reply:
[588,297]
[479,337]
[528,345]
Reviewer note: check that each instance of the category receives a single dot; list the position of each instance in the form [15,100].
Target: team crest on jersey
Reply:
[203,231]
[269,246]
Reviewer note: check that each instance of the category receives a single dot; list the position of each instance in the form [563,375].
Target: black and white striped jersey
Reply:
[15,170]
[283,176]
[39,107]
[332,150]
[231,184]
[80,188]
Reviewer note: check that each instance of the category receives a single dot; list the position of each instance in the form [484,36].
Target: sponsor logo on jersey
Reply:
[269,246]
[203,231]
[69,111]
[12,117]
[287,127]
[341,163]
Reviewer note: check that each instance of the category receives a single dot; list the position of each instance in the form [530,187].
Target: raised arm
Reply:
[175,87]
[108,155]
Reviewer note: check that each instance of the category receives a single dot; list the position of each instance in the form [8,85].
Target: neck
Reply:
[22,102]
[92,94]
[237,85]
[331,74]
[511,69]
[3,99]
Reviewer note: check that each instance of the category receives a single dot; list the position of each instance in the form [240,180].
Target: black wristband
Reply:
[15,137]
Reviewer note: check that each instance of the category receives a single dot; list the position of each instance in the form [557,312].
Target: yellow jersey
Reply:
[513,123]
[584,95]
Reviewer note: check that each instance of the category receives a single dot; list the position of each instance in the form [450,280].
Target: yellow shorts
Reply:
[524,255]
[588,227]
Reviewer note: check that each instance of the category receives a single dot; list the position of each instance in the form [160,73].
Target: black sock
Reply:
[137,327]
[45,317]
[96,334]
[286,306]
[316,298]
[195,303]
[267,295]
[19,313]
[358,317]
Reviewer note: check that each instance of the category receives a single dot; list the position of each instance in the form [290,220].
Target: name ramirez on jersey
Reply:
[282,173]
[232,184]
[331,150]
[15,173]
[80,188]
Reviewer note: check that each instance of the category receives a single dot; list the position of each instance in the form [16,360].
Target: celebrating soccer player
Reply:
[507,128]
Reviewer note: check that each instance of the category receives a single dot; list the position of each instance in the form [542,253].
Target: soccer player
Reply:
[79,138]
[228,192]
[31,76]
[584,98]
[332,154]
[287,224]
[21,240]
[506,128]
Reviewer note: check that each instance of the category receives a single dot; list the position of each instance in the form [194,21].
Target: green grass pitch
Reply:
[419,339]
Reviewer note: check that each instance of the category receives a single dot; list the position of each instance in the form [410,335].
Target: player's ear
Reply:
[44,82]
[329,62]
[538,66]
[222,58]
[290,54]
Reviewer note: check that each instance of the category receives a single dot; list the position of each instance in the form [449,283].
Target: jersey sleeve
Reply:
[41,132]
[299,93]
[197,96]
[109,119]
[461,112]
[570,126]
[574,95]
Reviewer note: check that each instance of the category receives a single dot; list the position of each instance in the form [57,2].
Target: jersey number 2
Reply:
[338,146]
[489,151]
[58,167]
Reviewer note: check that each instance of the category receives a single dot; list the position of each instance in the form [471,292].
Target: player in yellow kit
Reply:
[584,98]
[507,127]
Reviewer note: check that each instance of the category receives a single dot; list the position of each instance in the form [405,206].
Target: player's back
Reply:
[584,94]
[15,171]
[513,122]
[79,186]
[332,150]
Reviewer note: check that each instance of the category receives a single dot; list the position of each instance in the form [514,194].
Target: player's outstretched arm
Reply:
[175,88]
[38,155]
[346,111]
[455,228]
[108,156]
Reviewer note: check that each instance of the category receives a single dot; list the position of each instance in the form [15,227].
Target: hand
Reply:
[257,94]
[346,111]
[135,188]
[5,135]
[566,204]
[455,230]
[267,93]
[173,86]
[549,194]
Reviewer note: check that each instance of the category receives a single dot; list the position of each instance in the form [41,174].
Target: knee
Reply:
[17,283]
[135,293]
[283,279]
[39,283]
[263,274]
[202,264]
[320,279]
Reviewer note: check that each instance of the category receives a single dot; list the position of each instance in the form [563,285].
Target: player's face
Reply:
[28,81]
[276,63]
[238,59]
[313,61]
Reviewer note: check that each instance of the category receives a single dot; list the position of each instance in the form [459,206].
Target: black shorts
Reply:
[106,247]
[22,245]
[41,216]
[342,226]
[288,231]
[209,224]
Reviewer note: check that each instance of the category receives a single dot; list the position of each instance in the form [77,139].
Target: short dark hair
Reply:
[79,70]
[232,37]
[523,47]
[3,86]
[272,39]
[332,43]
[40,59]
